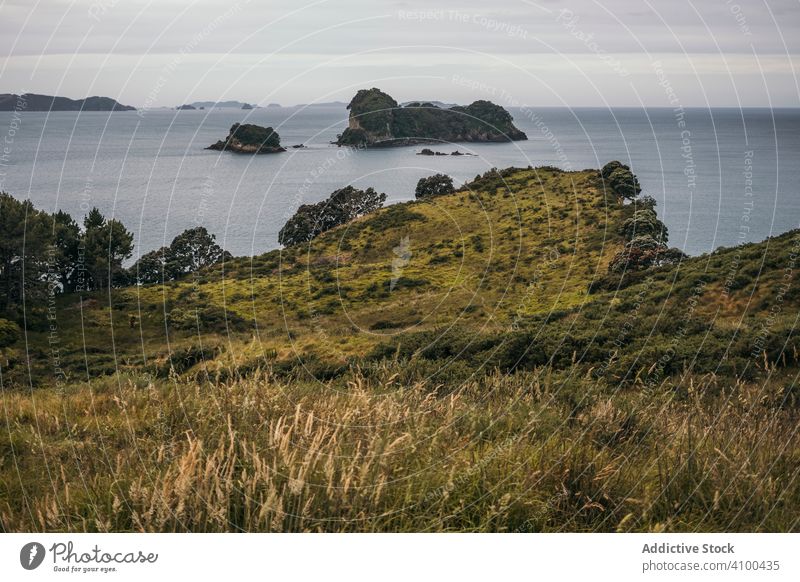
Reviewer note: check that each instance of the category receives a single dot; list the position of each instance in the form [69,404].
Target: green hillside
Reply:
[512,270]
[464,362]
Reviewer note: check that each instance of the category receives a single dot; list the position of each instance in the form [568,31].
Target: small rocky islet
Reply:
[247,138]
[377,120]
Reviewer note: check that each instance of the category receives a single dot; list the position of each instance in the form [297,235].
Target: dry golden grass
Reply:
[528,452]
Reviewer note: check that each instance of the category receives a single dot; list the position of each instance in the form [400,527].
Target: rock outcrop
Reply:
[376,120]
[250,139]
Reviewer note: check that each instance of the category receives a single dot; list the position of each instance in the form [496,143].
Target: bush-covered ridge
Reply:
[533,266]
[377,120]
[469,361]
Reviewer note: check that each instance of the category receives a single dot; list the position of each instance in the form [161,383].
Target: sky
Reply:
[151,53]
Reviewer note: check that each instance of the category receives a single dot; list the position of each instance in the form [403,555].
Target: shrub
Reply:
[9,333]
[436,185]
[643,252]
[620,180]
[644,223]
[624,183]
[341,207]
[606,170]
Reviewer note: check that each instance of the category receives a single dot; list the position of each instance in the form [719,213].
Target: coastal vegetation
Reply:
[376,119]
[523,353]
[341,207]
[436,185]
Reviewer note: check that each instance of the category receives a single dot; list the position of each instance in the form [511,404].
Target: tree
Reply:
[341,207]
[150,268]
[642,253]
[606,170]
[302,227]
[107,244]
[94,219]
[624,183]
[436,185]
[644,223]
[23,252]
[646,203]
[66,249]
[620,180]
[190,251]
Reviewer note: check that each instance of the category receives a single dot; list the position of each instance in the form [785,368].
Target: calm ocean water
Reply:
[724,177]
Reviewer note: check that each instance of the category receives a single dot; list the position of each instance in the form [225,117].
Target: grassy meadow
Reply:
[465,363]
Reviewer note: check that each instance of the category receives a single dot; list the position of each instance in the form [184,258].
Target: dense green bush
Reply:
[620,180]
[436,185]
[375,117]
[192,250]
[341,207]
[9,333]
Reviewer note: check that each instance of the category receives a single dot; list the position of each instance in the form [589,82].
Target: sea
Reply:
[721,177]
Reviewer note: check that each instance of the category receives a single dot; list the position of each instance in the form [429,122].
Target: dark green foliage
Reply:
[644,252]
[250,134]
[644,223]
[66,235]
[624,183]
[250,138]
[372,108]
[42,253]
[436,185]
[107,244]
[646,203]
[341,207]
[192,250]
[493,117]
[150,268]
[24,246]
[621,181]
[606,170]
[493,180]
[376,119]
[9,333]
[353,137]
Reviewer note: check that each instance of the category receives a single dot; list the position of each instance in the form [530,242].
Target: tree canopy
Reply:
[190,251]
[620,180]
[436,185]
[341,207]
[42,253]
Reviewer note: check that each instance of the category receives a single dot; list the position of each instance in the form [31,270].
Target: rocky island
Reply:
[376,120]
[34,102]
[250,139]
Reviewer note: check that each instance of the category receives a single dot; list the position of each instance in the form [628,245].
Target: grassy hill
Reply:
[460,363]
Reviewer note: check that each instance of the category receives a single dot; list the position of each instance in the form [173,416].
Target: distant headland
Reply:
[222,105]
[34,102]
[377,120]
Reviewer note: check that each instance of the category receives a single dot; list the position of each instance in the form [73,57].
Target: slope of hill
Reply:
[511,271]
[466,362]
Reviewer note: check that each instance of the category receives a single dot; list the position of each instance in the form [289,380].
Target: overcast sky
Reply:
[547,53]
